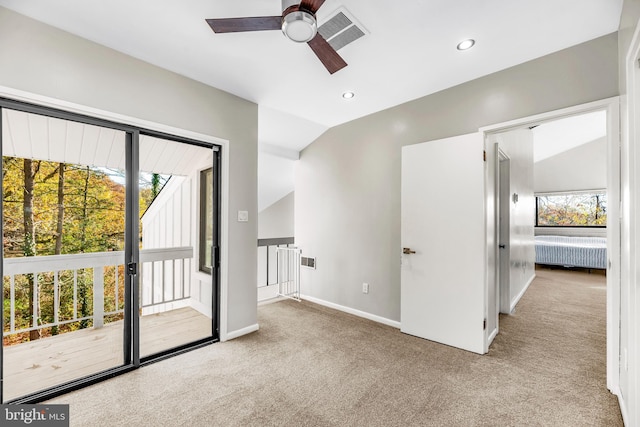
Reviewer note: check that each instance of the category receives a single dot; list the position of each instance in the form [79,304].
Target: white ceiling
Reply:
[33,136]
[558,136]
[409,51]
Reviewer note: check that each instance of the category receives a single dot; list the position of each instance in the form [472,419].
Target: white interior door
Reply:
[443,290]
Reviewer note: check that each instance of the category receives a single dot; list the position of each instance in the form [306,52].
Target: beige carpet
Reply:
[313,366]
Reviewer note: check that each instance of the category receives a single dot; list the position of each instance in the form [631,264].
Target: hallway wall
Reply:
[348,181]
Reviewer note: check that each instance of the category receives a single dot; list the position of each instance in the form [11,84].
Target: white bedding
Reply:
[572,251]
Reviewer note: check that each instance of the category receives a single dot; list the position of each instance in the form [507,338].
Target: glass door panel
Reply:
[64,198]
[176,205]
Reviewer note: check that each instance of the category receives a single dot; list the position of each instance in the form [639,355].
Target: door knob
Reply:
[501,246]
[407,251]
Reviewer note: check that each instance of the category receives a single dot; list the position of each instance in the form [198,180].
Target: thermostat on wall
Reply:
[243,216]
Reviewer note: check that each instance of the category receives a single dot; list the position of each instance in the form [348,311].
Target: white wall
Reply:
[581,168]
[170,220]
[39,59]
[168,223]
[518,146]
[276,174]
[347,181]
[277,220]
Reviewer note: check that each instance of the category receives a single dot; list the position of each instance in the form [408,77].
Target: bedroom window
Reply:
[579,209]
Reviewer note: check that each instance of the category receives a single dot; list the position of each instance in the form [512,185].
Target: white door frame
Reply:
[612,107]
[630,186]
[502,228]
[495,288]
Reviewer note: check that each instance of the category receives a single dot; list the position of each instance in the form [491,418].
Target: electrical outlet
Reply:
[365,288]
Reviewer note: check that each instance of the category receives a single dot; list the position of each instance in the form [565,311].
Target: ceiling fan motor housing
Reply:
[298,25]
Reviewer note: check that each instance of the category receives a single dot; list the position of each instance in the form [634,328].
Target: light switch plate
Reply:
[243,216]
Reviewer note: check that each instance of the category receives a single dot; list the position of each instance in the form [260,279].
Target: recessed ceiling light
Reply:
[348,95]
[466,44]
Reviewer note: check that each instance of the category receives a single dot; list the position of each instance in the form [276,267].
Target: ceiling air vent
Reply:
[341,29]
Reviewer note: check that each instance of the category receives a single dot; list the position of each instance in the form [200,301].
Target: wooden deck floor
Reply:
[47,362]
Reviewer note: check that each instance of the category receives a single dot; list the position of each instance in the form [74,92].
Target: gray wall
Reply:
[628,21]
[277,219]
[348,180]
[40,59]
[581,168]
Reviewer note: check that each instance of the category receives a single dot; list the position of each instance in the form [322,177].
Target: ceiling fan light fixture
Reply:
[299,26]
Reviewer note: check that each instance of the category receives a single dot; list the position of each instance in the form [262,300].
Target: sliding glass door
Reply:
[110,243]
[176,290]
[64,219]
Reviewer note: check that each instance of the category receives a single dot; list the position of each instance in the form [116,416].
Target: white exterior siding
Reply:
[171,222]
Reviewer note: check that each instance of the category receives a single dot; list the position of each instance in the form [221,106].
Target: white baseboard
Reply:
[240,332]
[270,300]
[353,311]
[623,410]
[516,300]
[492,336]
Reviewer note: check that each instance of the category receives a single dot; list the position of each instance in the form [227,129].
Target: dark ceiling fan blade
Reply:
[327,55]
[311,5]
[236,25]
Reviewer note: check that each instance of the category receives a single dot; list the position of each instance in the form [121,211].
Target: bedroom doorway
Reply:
[603,148]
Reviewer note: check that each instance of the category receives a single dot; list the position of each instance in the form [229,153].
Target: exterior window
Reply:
[206,220]
[583,209]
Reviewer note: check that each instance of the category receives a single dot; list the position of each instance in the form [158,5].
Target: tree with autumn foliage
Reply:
[52,208]
[577,209]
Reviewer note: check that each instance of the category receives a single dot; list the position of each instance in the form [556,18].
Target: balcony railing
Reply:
[278,269]
[289,273]
[268,259]
[165,279]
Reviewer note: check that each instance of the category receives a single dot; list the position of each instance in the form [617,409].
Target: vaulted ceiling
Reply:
[408,50]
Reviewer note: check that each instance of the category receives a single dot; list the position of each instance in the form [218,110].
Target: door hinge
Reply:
[484,155]
[484,325]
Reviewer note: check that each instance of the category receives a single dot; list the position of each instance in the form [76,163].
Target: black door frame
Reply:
[131,344]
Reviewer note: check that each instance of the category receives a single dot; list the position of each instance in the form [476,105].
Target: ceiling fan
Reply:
[298,23]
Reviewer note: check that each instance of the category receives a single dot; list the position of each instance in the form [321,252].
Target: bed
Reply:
[572,251]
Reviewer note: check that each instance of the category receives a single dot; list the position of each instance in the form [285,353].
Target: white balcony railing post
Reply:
[36,299]
[98,297]
[56,298]
[12,303]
